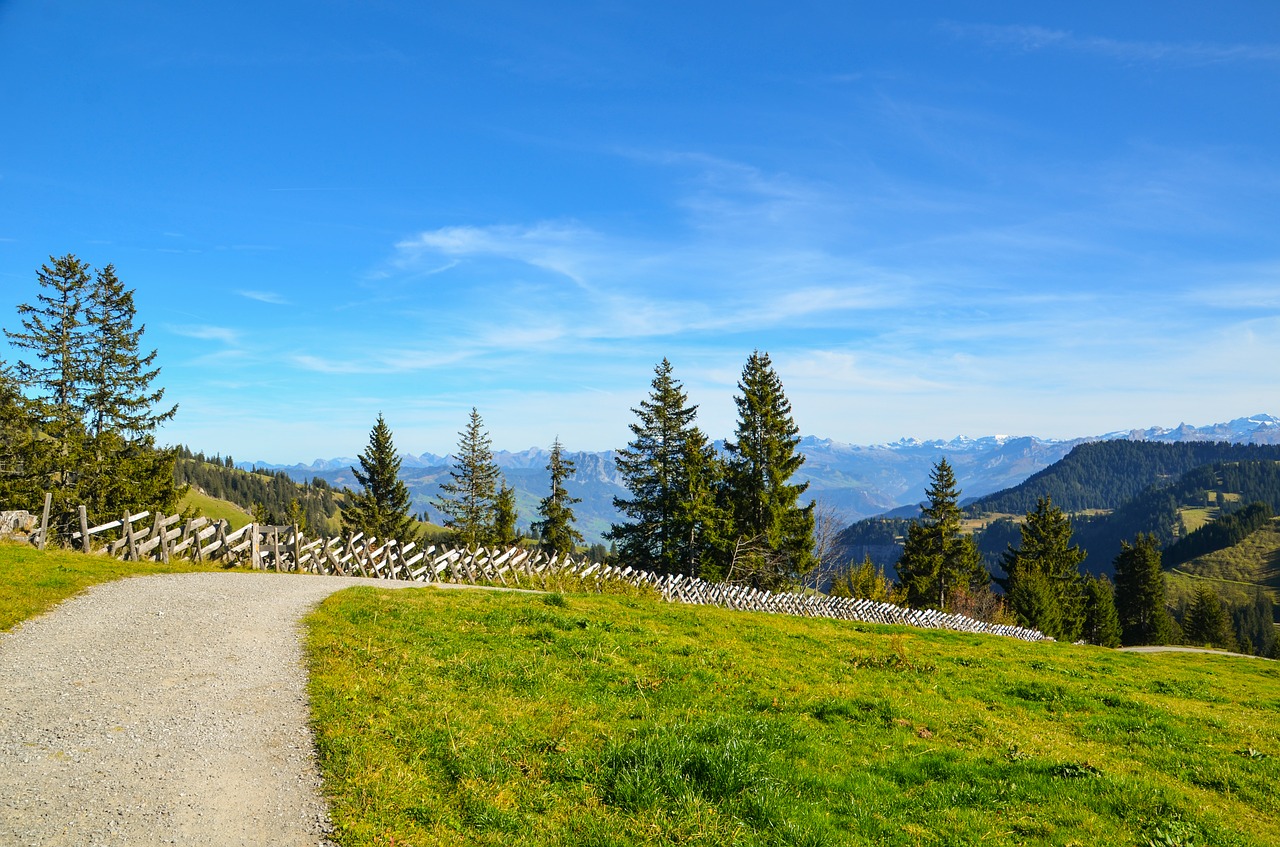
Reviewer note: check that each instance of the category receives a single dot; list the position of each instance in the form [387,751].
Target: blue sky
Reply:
[938,218]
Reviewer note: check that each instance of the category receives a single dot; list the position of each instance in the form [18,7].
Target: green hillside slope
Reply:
[214,508]
[1236,572]
[514,719]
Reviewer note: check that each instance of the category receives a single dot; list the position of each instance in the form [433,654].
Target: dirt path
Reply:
[163,710]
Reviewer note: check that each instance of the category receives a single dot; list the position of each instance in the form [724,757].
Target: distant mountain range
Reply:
[858,481]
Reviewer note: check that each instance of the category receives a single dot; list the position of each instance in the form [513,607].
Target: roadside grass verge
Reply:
[522,719]
[33,581]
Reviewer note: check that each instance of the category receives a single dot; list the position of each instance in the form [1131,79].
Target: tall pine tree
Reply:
[1046,588]
[54,331]
[768,522]
[504,532]
[702,517]
[120,407]
[382,508]
[937,558]
[119,394]
[655,468]
[1207,623]
[556,529]
[53,374]
[1140,593]
[1101,622]
[469,501]
[22,479]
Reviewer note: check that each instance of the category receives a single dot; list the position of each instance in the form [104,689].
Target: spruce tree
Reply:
[127,470]
[936,557]
[504,518]
[1045,556]
[54,331]
[54,334]
[119,395]
[765,511]
[382,508]
[654,467]
[556,530]
[702,516]
[1140,599]
[469,500]
[1101,622]
[1255,625]
[1206,623]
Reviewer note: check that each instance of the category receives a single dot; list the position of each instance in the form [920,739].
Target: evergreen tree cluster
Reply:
[274,494]
[1209,620]
[1255,627]
[694,511]
[79,408]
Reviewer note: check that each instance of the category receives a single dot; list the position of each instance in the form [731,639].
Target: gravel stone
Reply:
[164,710]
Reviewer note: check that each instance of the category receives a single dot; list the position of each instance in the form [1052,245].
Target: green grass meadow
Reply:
[214,508]
[521,719]
[1236,573]
[485,717]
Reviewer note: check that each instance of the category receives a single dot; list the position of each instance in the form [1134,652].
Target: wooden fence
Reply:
[284,549]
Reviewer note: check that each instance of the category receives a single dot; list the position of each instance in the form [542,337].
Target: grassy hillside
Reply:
[214,508]
[1235,572]
[518,719]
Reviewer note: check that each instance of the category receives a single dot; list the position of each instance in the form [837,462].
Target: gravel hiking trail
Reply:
[164,710]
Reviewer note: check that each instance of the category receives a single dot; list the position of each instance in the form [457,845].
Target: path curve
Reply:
[164,710]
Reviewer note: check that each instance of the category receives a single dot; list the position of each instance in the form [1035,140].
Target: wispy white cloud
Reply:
[1031,38]
[556,247]
[224,334]
[398,361]
[270,297]
[1235,287]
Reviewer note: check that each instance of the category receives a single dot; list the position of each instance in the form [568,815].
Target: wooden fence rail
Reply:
[285,549]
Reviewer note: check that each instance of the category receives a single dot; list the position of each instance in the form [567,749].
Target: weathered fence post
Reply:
[84,529]
[127,525]
[44,522]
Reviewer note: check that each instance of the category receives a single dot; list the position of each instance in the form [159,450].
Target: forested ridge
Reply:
[1108,474]
[1156,510]
[271,495]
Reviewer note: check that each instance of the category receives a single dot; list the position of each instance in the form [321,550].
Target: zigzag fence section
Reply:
[284,549]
